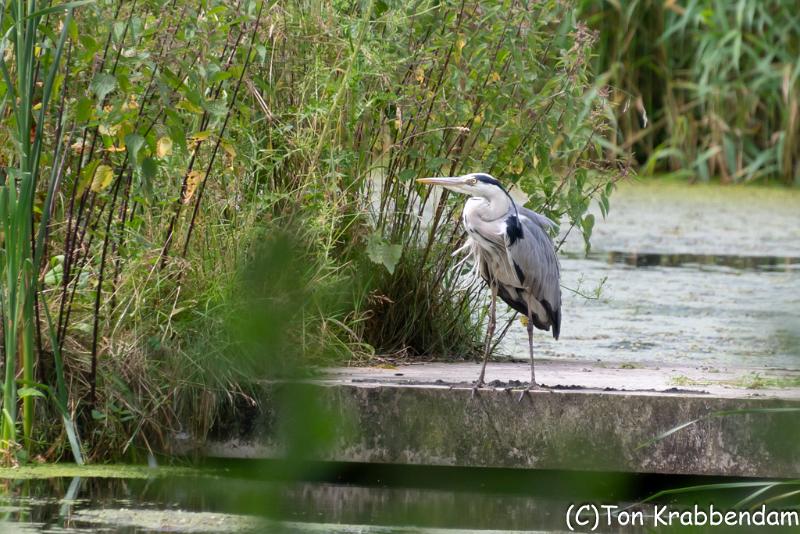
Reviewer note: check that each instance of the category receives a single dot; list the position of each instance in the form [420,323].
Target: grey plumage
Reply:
[513,252]
[535,255]
[525,268]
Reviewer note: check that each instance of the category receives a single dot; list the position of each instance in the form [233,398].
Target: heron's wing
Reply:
[537,218]
[534,259]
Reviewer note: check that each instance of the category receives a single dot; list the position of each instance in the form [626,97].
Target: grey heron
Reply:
[513,252]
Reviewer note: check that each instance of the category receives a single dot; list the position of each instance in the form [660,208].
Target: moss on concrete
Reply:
[583,430]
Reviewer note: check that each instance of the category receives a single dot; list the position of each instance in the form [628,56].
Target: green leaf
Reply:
[73,30]
[102,85]
[30,392]
[124,83]
[219,76]
[54,276]
[604,204]
[587,224]
[434,164]
[216,108]
[86,328]
[383,253]
[89,44]
[119,29]
[58,8]
[380,8]
[83,110]
[149,168]
[406,175]
[189,106]
[134,143]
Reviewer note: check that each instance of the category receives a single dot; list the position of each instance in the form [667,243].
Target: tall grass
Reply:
[29,77]
[719,82]
[60,236]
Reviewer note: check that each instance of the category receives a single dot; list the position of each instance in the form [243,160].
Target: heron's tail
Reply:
[471,253]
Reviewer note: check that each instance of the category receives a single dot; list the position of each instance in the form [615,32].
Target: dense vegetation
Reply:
[719,83]
[195,193]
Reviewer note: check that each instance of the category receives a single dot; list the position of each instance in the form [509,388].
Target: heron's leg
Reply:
[530,351]
[533,384]
[489,334]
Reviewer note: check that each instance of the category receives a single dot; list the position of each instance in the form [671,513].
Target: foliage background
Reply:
[719,80]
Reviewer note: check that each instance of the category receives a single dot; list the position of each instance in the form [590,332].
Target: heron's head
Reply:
[475,184]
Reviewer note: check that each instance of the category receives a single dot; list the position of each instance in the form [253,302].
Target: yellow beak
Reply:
[442,180]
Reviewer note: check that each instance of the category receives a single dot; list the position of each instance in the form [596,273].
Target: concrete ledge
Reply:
[581,375]
[579,429]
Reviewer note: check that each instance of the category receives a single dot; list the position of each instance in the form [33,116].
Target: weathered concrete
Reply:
[620,377]
[425,415]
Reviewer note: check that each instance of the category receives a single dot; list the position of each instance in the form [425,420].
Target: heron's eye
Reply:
[472,181]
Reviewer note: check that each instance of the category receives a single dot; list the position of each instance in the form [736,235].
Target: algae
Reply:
[170,520]
[68,470]
[749,381]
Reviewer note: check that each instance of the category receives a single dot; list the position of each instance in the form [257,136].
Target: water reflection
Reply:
[650,259]
[240,496]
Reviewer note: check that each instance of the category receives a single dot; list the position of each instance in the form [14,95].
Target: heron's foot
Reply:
[476,386]
[532,387]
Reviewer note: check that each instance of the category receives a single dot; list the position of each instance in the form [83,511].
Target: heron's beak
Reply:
[450,181]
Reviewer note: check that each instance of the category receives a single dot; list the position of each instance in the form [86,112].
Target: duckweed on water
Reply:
[751,381]
[42,471]
[171,520]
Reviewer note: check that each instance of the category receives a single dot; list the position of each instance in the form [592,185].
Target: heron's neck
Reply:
[492,208]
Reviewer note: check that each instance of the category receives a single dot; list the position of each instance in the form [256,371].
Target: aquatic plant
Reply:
[714,87]
[30,65]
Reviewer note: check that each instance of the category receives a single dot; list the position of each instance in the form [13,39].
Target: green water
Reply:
[691,275]
[258,496]
[253,496]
